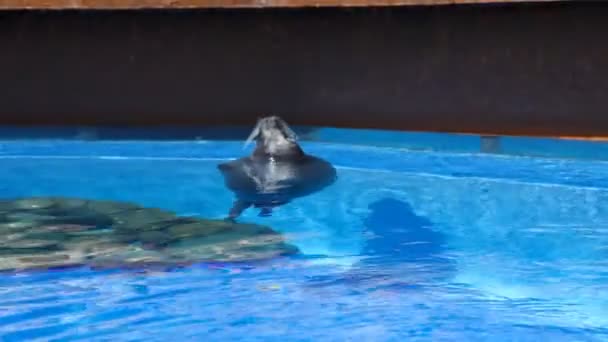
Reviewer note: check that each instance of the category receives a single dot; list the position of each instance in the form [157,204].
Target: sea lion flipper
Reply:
[237,208]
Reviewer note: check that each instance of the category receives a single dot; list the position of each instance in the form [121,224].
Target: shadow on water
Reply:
[402,251]
[397,234]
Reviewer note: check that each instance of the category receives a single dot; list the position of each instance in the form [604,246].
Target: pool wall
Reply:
[529,69]
[43,141]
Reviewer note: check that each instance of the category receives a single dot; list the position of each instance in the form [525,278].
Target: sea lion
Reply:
[276,172]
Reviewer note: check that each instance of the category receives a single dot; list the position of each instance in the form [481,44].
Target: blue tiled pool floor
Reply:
[415,244]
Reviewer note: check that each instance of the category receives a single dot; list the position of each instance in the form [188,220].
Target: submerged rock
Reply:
[33,203]
[43,232]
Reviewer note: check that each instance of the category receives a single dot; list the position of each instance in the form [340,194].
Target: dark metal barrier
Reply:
[509,69]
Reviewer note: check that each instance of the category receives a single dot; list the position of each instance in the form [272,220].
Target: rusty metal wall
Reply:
[531,69]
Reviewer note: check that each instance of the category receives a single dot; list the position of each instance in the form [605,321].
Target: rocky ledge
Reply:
[48,232]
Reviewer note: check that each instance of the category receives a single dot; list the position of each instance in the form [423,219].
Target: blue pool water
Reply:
[424,244]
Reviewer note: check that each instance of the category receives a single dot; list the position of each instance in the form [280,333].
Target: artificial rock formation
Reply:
[43,232]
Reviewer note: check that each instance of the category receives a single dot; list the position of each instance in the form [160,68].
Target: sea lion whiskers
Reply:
[274,138]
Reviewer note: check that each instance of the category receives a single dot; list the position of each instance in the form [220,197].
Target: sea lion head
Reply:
[274,138]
